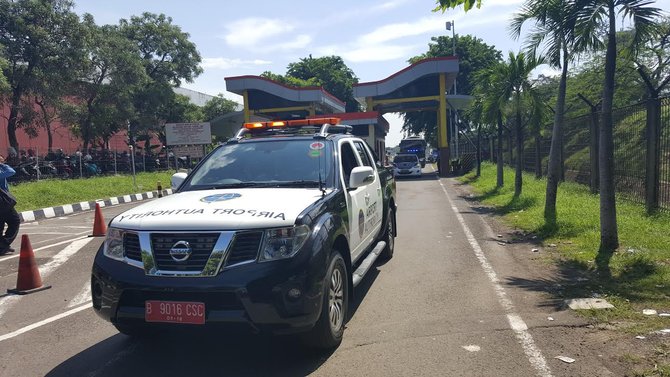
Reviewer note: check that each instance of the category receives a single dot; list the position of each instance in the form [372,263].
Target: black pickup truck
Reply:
[271,231]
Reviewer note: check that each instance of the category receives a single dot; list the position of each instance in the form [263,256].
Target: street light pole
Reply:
[452,26]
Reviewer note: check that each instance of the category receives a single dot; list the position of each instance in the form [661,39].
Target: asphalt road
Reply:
[452,302]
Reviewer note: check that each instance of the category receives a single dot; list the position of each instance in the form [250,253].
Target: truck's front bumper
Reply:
[254,295]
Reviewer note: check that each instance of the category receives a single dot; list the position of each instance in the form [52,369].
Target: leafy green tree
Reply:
[218,106]
[38,36]
[597,28]
[473,56]
[443,5]
[106,78]
[329,72]
[168,58]
[4,84]
[554,23]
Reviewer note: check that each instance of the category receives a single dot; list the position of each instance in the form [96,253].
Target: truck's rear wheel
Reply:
[389,236]
[328,331]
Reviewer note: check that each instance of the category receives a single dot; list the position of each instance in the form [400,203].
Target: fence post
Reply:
[594,131]
[652,180]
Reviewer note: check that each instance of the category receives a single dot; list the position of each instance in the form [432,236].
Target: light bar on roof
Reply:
[291,123]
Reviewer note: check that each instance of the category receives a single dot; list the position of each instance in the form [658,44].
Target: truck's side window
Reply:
[349,161]
[363,154]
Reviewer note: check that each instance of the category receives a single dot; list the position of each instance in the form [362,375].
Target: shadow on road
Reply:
[203,352]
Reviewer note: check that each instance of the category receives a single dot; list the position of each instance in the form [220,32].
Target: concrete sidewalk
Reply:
[66,209]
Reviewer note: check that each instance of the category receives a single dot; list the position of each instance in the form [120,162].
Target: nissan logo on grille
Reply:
[180,251]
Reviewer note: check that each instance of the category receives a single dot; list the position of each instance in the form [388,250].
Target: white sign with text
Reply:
[188,133]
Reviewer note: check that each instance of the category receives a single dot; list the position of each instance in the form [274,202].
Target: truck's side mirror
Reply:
[177,179]
[361,176]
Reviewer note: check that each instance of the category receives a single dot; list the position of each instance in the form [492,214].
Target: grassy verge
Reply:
[54,192]
[640,268]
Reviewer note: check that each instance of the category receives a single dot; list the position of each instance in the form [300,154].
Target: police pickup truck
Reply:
[271,231]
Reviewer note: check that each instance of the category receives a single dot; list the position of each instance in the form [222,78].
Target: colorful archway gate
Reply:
[423,86]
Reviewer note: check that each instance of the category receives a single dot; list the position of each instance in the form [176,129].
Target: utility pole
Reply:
[452,26]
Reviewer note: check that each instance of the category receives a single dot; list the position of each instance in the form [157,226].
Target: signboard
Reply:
[188,133]
[193,151]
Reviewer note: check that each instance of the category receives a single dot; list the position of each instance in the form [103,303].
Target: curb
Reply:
[67,209]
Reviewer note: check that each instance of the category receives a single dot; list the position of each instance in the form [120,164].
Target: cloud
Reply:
[371,53]
[249,32]
[406,29]
[227,63]
[265,35]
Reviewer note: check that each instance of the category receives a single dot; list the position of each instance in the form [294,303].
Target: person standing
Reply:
[8,214]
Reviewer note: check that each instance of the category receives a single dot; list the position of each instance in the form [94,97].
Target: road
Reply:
[452,302]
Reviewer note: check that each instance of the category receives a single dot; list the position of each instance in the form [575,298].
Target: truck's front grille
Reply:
[131,246]
[201,247]
[245,247]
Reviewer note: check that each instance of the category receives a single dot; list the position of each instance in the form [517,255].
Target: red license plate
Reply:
[175,312]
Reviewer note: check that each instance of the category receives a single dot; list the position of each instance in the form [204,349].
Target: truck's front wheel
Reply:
[389,236]
[328,331]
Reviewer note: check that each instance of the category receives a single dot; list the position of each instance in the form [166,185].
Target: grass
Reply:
[640,269]
[54,192]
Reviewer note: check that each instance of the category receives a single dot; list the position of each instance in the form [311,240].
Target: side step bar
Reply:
[367,263]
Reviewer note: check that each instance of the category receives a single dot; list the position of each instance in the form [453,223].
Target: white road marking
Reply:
[516,323]
[472,348]
[83,296]
[41,323]
[57,260]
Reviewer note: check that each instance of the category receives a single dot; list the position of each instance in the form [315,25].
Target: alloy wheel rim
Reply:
[336,300]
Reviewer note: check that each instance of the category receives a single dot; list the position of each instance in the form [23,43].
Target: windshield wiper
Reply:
[243,185]
[300,183]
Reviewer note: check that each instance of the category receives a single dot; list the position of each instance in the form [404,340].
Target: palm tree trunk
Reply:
[500,181]
[518,177]
[609,239]
[479,150]
[555,158]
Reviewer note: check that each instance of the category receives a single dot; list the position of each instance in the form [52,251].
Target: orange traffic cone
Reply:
[99,226]
[28,280]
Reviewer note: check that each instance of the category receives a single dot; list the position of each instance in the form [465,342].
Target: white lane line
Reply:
[16,255]
[516,323]
[41,323]
[83,296]
[57,260]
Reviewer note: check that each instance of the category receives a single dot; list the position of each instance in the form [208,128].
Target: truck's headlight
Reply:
[284,242]
[114,244]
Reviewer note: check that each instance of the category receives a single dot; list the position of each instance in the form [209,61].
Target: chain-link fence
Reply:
[641,151]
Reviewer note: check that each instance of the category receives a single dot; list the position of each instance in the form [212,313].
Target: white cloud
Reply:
[406,29]
[249,32]
[226,63]
[372,53]
[300,41]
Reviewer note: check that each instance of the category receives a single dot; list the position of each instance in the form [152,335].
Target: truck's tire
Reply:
[389,236]
[328,331]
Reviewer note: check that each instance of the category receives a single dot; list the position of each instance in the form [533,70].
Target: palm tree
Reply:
[554,26]
[597,18]
[488,83]
[515,86]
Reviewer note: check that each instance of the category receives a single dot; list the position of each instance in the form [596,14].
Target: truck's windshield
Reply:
[266,163]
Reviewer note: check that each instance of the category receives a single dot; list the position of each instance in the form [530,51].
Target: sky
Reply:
[374,37]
